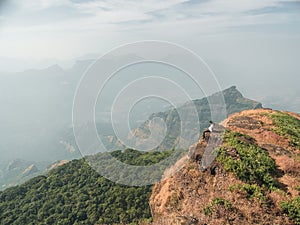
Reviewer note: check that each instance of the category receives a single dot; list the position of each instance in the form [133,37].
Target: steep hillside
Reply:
[234,100]
[254,179]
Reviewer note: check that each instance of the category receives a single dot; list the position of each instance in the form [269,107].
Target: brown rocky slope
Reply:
[257,168]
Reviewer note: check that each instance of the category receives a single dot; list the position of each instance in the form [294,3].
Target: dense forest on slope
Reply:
[75,194]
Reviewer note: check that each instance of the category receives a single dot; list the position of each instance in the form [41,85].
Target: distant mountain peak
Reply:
[233,87]
[234,102]
[55,67]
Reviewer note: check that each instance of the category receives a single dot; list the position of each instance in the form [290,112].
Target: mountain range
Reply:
[64,145]
[253,180]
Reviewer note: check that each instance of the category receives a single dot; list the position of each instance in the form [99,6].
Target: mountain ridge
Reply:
[254,179]
[65,147]
[234,102]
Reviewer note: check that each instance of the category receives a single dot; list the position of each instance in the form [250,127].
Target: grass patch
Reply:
[215,202]
[254,165]
[292,209]
[287,126]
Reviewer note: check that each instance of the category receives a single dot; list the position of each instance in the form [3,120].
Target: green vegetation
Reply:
[297,188]
[287,126]
[130,174]
[75,194]
[254,165]
[292,209]
[215,202]
[138,158]
[250,190]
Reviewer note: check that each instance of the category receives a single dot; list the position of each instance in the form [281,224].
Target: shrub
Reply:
[292,209]
[215,202]
[254,164]
[251,191]
[287,126]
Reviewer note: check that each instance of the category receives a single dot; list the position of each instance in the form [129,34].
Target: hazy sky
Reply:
[251,43]
[66,29]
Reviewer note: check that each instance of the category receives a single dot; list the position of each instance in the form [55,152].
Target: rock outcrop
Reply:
[30,170]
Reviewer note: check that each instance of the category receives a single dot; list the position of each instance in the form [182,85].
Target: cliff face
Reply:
[257,168]
[30,170]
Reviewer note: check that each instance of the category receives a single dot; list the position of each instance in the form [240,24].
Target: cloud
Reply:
[235,6]
[53,25]
[129,5]
[151,11]
[34,5]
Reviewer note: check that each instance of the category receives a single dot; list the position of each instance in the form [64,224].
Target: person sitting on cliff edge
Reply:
[208,130]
